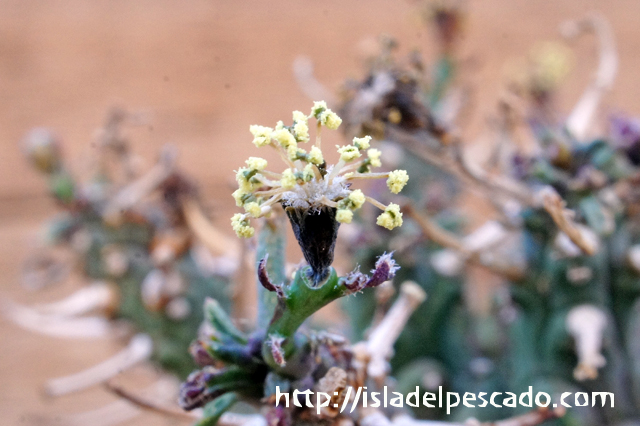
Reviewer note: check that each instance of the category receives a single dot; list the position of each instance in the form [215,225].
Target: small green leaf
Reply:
[216,408]
[218,318]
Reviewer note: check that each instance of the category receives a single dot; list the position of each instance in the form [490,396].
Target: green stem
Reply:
[218,318]
[300,301]
[216,408]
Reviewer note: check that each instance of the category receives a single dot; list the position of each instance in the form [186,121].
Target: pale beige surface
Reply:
[203,71]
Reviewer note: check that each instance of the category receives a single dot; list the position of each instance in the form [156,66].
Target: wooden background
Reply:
[203,71]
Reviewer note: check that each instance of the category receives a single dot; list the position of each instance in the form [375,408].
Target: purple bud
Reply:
[263,277]
[385,270]
[355,281]
[200,355]
[193,392]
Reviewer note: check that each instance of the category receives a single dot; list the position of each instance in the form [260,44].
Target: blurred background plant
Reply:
[561,319]
[141,244]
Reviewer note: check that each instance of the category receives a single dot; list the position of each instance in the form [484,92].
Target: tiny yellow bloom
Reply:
[284,137]
[301,129]
[374,157]
[245,180]
[241,226]
[261,135]
[307,172]
[391,218]
[288,180]
[362,143]
[238,195]
[279,125]
[256,163]
[357,199]
[330,119]
[300,117]
[315,156]
[348,153]
[397,180]
[318,108]
[253,209]
[344,216]
[294,153]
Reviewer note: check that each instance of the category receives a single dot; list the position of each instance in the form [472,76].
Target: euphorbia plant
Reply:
[280,354]
[316,198]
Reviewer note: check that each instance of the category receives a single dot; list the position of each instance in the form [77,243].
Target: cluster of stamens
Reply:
[308,182]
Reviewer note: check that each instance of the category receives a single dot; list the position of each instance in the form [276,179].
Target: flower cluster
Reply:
[308,182]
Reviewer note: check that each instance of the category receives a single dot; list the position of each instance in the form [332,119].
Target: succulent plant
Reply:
[281,355]
[314,196]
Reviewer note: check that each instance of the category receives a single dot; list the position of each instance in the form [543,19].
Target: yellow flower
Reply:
[307,173]
[348,153]
[344,216]
[294,153]
[326,117]
[253,209]
[239,195]
[318,108]
[284,137]
[301,129]
[299,117]
[391,218]
[246,180]
[357,198]
[261,135]
[256,163]
[288,180]
[330,119]
[241,226]
[362,143]
[397,180]
[374,157]
[315,156]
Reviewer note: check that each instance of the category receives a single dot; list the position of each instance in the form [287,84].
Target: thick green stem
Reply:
[300,301]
